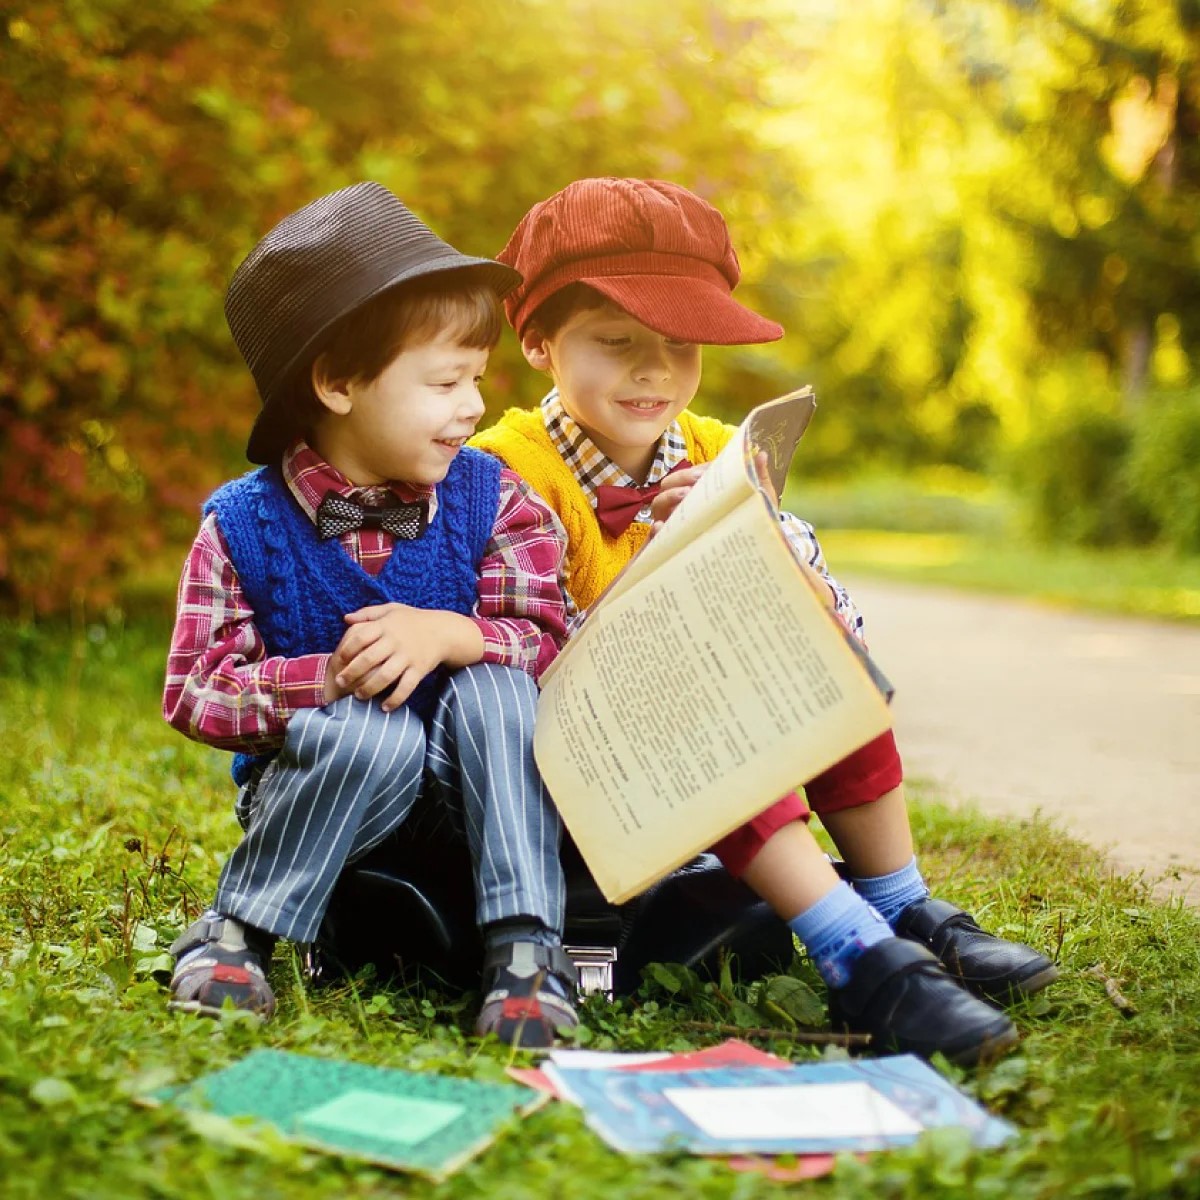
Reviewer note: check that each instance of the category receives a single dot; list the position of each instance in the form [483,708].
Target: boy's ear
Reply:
[533,346]
[334,394]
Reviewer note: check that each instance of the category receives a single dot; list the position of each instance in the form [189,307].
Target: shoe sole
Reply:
[986,1047]
[985,1051]
[1015,990]
[196,1008]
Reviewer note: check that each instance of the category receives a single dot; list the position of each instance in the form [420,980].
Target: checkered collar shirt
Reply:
[591,466]
[309,477]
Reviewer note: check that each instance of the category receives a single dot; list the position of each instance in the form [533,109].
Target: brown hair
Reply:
[363,343]
[552,314]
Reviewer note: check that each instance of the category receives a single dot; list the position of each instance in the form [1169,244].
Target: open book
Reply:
[708,680]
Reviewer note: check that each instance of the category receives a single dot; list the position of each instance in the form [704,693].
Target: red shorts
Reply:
[860,778]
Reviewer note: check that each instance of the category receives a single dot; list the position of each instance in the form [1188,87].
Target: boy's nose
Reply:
[472,407]
[653,364]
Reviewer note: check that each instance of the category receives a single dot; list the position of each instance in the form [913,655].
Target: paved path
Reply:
[1017,707]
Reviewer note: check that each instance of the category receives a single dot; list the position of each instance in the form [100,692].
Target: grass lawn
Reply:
[112,829]
[1134,583]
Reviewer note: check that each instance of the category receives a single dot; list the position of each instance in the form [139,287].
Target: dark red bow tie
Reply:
[618,504]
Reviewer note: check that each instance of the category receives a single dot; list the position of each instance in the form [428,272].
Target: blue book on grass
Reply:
[410,1121]
[814,1108]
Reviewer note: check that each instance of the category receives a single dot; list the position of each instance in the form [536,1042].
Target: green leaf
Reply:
[155,964]
[796,999]
[50,1092]
[145,937]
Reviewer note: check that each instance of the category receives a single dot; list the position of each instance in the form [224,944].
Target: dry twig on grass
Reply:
[1120,1002]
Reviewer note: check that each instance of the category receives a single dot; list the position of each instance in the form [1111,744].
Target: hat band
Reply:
[638,262]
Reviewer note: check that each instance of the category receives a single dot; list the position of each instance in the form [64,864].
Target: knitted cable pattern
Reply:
[301,587]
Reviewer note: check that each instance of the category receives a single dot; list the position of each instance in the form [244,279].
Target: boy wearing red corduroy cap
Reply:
[624,281]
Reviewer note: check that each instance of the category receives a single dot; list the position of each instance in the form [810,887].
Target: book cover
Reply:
[814,1108]
[729,1053]
[409,1121]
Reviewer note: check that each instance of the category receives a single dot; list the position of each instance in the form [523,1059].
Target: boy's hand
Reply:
[674,487]
[762,467]
[396,646]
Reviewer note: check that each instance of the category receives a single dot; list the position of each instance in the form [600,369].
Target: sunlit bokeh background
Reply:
[979,222]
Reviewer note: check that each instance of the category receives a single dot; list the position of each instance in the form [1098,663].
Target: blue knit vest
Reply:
[301,587]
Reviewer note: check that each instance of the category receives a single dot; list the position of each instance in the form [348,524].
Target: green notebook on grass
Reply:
[406,1120]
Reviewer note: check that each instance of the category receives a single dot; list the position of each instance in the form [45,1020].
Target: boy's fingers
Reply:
[381,676]
[666,503]
[357,638]
[682,480]
[366,660]
[762,466]
[404,688]
[372,612]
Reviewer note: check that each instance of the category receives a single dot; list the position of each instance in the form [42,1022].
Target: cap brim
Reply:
[687,309]
[272,430]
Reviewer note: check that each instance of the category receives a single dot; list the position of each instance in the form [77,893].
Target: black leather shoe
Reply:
[902,996]
[987,965]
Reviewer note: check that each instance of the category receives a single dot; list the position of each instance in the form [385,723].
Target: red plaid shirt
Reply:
[224,690]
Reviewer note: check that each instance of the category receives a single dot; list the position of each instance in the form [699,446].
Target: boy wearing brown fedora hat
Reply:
[372,605]
[624,281]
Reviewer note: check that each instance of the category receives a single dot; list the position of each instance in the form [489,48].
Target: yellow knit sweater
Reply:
[594,558]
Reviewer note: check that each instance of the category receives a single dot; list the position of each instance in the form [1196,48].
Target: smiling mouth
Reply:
[453,443]
[646,405]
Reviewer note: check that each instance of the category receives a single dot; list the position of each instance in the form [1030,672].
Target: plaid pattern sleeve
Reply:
[804,542]
[222,688]
[520,609]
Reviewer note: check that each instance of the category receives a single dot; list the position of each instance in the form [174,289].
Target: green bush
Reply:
[1074,477]
[1164,467]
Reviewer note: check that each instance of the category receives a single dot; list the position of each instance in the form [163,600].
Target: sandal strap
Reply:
[553,960]
[517,1007]
[226,932]
[199,933]
[218,960]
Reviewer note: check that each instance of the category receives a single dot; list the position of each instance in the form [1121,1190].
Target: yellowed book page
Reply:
[697,699]
[775,427]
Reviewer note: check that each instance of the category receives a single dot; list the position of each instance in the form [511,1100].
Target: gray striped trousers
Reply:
[349,774]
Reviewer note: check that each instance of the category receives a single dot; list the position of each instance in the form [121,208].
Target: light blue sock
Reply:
[836,930]
[891,894]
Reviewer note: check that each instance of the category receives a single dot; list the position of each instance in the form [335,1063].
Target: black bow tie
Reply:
[338,514]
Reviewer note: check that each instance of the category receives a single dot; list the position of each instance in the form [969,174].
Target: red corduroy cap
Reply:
[654,249]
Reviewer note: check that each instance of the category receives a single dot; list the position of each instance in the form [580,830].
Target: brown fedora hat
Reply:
[314,267]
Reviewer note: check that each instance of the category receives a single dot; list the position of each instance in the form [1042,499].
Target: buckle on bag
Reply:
[595,966]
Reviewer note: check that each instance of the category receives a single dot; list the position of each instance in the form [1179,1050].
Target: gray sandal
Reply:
[517,1008]
[218,959]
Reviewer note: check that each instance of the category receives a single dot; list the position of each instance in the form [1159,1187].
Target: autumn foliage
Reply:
[926,230]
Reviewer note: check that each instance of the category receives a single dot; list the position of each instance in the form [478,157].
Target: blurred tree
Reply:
[965,215]
[994,208]
[149,148]
[146,146]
